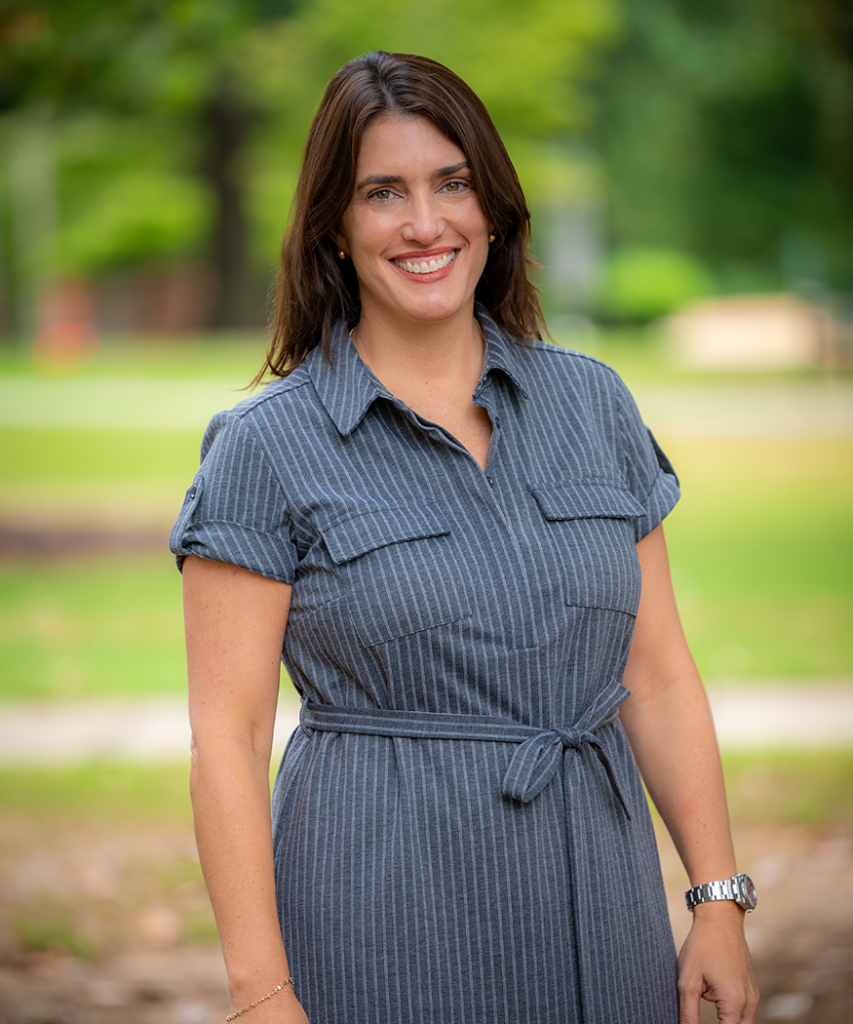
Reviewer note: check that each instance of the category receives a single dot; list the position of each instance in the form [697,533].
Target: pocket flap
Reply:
[586,501]
[366,531]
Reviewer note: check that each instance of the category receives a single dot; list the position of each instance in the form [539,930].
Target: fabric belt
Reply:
[533,765]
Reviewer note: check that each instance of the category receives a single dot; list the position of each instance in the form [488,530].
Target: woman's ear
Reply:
[341,244]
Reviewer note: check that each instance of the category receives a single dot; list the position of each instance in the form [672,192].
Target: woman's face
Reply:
[414,228]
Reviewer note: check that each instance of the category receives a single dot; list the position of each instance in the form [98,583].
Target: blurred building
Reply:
[762,332]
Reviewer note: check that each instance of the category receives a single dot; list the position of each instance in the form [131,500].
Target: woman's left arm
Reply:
[669,725]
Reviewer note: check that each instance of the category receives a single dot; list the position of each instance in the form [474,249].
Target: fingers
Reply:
[714,965]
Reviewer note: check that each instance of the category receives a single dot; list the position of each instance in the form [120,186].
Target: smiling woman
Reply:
[419,242]
[451,533]
[316,288]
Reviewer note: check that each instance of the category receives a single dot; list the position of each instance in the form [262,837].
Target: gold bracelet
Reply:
[263,999]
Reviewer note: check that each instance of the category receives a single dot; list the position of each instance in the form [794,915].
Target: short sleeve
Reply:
[235,510]
[649,473]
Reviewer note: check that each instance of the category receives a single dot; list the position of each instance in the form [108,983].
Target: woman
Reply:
[443,523]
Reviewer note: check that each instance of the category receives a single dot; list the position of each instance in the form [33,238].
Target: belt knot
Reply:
[535,762]
[570,737]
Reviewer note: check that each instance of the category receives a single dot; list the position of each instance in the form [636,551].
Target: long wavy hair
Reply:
[315,289]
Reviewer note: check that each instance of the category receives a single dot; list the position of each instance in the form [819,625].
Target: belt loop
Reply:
[302,724]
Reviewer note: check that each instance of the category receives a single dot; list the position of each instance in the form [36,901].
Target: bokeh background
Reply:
[690,171]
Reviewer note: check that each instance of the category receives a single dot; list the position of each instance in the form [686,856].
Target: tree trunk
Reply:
[226,121]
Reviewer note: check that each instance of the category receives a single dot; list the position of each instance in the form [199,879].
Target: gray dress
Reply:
[460,831]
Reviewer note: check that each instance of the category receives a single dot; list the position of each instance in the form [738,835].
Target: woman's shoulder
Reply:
[279,393]
[266,416]
[559,367]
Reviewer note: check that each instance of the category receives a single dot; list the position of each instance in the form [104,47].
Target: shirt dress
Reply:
[460,831]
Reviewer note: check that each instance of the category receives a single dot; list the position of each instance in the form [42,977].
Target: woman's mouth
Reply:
[427,266]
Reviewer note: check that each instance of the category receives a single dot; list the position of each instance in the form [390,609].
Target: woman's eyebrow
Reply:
[453,169]
[380,179]
[396,179]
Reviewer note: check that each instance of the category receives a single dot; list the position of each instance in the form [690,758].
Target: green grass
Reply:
[61,456]
[760,546]
[112,479]
[118,836]
[86,793]
[765,788]
[790,787]
[232,357]
[97,627]
[643,357]
[103,626]
[762,556]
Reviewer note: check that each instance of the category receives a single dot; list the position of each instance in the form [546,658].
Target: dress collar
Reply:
[503,353]
[347,387]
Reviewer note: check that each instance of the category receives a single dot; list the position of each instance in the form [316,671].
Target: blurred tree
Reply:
[157,77]
[726,131]
[207,104]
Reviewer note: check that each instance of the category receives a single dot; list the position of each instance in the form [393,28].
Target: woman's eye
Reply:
[381,194]
[457,186]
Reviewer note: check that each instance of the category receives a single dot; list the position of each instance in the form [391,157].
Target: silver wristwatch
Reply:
[739,888]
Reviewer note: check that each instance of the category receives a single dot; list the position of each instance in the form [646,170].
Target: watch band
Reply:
[738,888]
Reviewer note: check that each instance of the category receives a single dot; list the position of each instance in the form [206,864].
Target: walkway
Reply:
[747,717]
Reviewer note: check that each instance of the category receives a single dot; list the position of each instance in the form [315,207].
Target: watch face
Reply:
[748,889]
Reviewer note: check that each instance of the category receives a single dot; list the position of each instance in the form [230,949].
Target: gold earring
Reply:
[341,254]
[491,237]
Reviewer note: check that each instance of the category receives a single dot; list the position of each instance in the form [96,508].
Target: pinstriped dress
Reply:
[460,831]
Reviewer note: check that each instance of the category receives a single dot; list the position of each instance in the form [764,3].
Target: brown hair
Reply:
[314,288]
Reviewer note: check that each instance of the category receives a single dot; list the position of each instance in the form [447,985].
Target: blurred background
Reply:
[690,171]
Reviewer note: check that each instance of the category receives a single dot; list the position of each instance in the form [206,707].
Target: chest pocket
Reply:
[403,570]
[591,525]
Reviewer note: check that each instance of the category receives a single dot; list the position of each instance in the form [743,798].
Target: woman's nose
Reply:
[424,222]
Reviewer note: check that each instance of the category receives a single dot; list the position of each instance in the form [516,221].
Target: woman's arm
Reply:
[235,622]
[669,725]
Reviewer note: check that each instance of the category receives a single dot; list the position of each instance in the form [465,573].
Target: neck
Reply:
[417,350]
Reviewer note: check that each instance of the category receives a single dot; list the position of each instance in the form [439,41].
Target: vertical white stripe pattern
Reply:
[411,890]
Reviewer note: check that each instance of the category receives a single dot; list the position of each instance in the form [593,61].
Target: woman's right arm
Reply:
[235,622]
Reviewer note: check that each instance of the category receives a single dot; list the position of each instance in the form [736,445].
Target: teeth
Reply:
[427,267]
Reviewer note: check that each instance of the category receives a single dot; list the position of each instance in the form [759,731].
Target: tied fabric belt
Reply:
[533,765]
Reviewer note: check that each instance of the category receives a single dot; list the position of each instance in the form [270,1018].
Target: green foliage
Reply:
[720,129]
[525,59]
[130,54]
[133,193]
[145,217]
[644,283]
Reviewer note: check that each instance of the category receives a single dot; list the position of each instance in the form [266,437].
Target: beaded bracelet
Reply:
[263,999]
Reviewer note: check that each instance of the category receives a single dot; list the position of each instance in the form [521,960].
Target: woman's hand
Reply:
[714,964]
